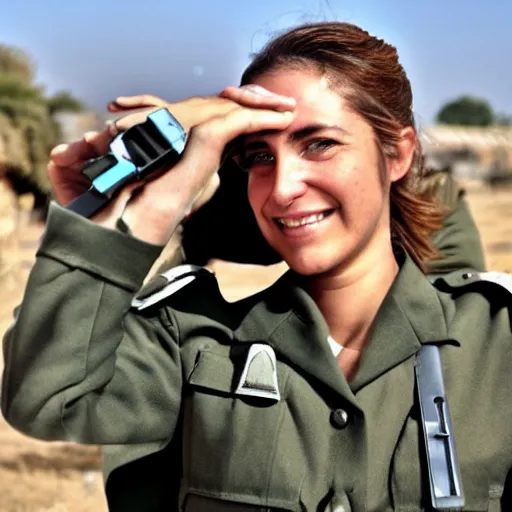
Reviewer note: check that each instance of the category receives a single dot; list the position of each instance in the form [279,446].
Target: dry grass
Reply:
[46,477]
[59,477]
[492,210]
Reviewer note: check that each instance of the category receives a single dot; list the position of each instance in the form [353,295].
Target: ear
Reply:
[400,165]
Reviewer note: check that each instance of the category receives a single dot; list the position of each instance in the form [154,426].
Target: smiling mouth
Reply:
[307,220]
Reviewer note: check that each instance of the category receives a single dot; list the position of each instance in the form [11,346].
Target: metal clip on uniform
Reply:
[134,154]
[444,474]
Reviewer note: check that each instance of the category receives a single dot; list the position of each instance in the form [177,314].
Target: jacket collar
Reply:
[410,316]
[288,319]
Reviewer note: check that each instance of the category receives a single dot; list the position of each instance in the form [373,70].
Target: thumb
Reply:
[126,103]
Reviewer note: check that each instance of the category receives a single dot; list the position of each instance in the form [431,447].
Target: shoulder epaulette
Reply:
[458,280]
[166,284]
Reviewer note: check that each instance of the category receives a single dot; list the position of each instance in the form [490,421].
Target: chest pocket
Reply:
[240,451]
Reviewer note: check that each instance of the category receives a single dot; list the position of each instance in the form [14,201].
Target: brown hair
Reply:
[375,84]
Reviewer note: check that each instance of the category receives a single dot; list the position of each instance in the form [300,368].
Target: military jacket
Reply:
[159,386]
[458,240]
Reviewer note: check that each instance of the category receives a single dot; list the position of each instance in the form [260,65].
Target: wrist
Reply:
[154,224]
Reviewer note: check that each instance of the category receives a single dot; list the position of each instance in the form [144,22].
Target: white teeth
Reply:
[295,223]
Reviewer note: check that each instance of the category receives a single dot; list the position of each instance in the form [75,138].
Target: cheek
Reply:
[257,193]
[348,183]
[359,192]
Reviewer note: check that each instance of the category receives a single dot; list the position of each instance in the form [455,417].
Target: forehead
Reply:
[316,100]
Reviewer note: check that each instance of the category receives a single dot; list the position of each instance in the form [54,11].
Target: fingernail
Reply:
[258,90]
[89,135]
[291,102]
[59,149]
[287,115]
[261,91]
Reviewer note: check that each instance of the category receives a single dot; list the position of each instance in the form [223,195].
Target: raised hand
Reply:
[212,122]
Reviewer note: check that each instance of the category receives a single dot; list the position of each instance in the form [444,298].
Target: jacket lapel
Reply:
[410,316]
[291,323]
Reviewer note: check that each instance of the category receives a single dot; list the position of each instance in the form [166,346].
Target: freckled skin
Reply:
[345,176]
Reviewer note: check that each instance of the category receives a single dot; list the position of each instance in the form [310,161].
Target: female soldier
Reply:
[305,396]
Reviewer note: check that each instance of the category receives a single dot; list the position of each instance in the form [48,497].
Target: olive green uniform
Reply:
[458,240]
[159,385]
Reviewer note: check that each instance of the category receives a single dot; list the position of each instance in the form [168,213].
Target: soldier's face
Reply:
[320,188]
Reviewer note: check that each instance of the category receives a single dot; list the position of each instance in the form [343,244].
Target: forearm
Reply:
[73,343]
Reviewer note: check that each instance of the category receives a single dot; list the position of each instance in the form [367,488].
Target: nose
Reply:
[289,183]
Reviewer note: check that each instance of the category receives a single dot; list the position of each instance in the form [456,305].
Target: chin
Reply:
[308,270]
[312,264]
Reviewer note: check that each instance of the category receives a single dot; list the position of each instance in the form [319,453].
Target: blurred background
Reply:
[61,62]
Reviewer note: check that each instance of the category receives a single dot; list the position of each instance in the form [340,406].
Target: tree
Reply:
[466,111]
[28,130]
[16,62]
[64,101]
[503,120]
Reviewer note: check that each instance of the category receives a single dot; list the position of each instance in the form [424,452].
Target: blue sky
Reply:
[100,49]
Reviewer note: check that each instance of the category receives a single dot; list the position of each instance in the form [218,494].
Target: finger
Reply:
[126,103]
[219,131]
[189,112]
[113,106]
[93,144]
[258,97]
[123,123]
[197,110]
[65,155]
[99,141]
[67,182]
[56,171]
[71,174]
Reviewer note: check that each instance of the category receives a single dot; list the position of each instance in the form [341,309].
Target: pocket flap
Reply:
[250,372]
[213,371]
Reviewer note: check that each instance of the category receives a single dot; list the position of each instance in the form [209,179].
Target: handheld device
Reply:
[133,155]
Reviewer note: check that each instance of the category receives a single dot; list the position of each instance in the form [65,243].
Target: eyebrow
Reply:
[295,136]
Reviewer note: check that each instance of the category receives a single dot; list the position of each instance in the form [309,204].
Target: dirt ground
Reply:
[59,477]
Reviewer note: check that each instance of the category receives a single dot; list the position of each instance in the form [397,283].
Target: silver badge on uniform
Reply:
[259,376]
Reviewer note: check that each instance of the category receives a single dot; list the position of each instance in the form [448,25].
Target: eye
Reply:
[257,160]
[320,145]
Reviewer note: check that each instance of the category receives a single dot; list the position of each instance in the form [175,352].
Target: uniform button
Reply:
[339,418]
